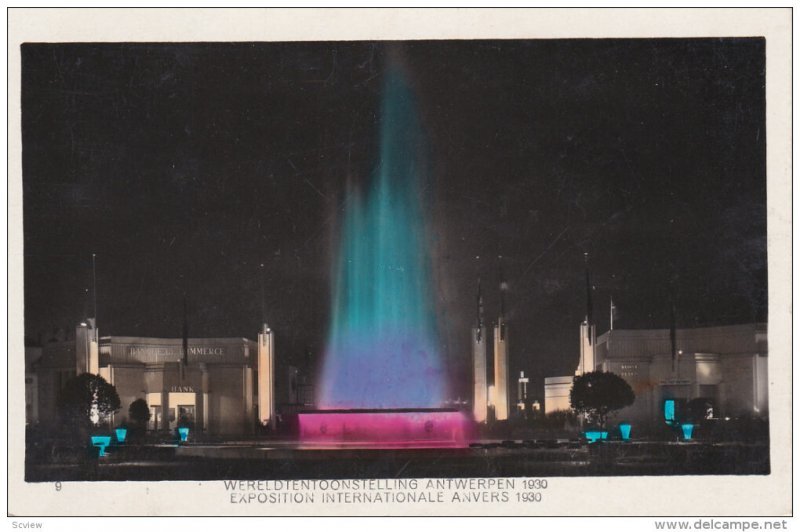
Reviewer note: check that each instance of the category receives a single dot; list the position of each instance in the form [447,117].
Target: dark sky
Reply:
[185,166]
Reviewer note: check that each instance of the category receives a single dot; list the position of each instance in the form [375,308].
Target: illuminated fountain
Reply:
[383,380]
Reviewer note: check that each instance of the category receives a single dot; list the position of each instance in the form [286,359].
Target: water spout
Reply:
[382,345]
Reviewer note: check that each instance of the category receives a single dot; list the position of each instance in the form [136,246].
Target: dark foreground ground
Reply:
[276,460]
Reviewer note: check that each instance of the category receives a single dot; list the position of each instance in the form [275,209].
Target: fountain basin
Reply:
[386,428]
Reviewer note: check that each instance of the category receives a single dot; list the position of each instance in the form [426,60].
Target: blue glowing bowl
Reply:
[687,429]
[101,442]
[184,433]
[595,435]
[122,433]
[669,411]
[625,431]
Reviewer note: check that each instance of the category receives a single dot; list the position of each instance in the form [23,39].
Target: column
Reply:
[501,370]
[479,399]
[200,404]
[82,333]
[588,341]
[247,376]
[164,410]
[94,351]
[204,394]
[266,378]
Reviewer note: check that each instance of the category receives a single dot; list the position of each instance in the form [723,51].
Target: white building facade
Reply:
[726,366]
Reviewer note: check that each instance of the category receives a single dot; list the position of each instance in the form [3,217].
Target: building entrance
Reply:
[155,417]
[186,416]
[182,409]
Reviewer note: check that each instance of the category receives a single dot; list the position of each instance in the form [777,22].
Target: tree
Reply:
[139,412]
[86,399]
[597,394]
[138,416]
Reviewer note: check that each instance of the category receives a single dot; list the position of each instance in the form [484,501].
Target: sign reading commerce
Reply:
[157,354]
[128,349]
[170,352]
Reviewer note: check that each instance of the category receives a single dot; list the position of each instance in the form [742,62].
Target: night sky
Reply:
[186,166]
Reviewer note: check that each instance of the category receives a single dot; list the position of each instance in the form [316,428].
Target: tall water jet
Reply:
[383,380]
[382,347]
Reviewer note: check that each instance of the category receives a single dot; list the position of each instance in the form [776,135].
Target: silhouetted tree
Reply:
[85,395]
[597,394]
[138,417]
[139,412]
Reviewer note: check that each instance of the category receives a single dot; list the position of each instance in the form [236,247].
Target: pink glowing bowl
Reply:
[394,428]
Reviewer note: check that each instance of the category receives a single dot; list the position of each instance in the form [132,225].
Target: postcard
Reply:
[400,262]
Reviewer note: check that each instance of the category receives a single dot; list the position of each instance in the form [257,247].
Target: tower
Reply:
[522,391]
[501,359]
[588,331]
[87,336]
[501,369]
[479,395]
[266,377]
[87,348]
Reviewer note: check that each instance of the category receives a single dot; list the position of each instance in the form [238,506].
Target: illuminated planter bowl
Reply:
[687,429]
[183,432]
[625,431]
[595,435]
[669,411]
[122,433]
[393,428]
[101,442]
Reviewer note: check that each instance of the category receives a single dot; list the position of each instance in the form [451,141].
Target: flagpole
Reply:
[185,358]
[611,325]
[263,306]
[94,287]
[589,310]
[672,335]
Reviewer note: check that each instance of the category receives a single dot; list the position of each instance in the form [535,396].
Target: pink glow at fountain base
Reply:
[386,429]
